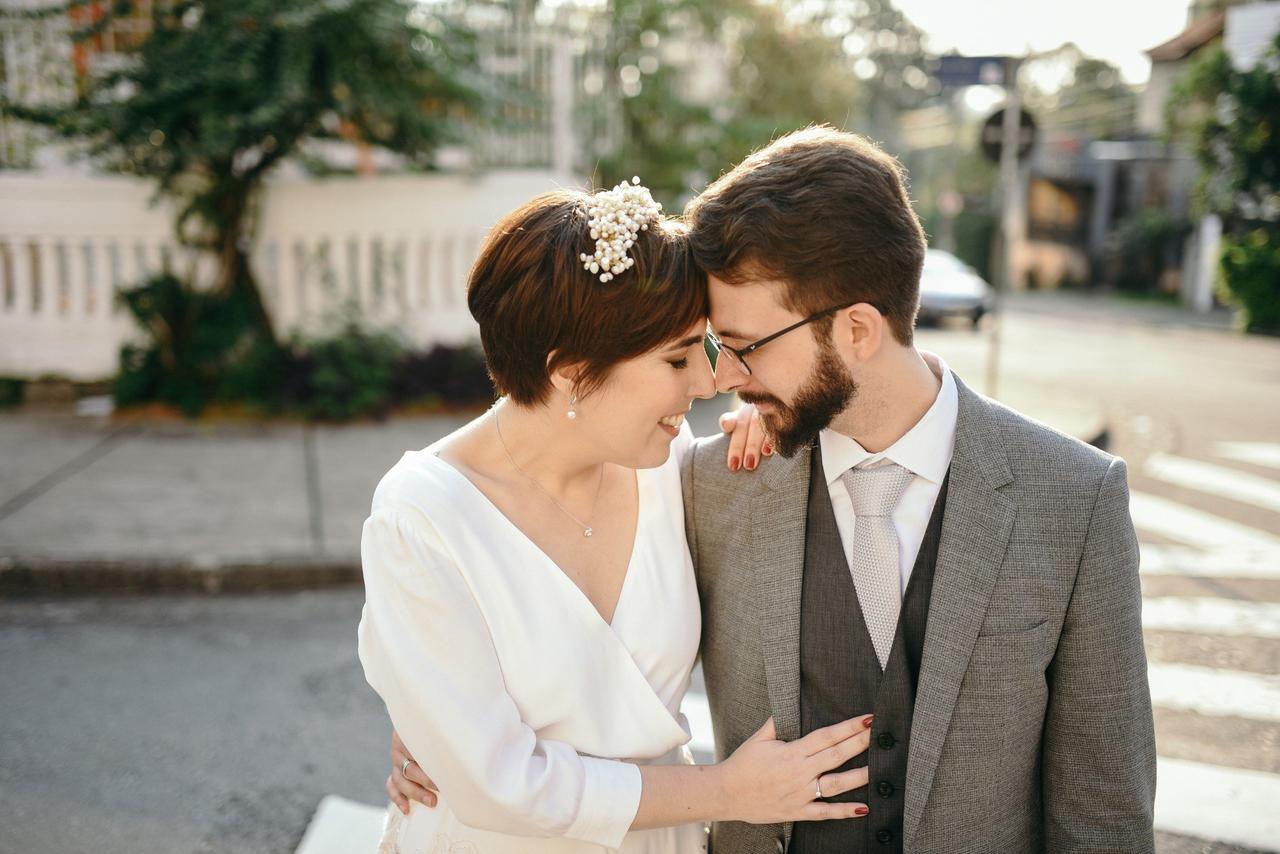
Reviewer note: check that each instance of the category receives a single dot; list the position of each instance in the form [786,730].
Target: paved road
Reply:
[176,725]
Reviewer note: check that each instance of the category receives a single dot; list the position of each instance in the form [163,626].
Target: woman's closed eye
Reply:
[679,364]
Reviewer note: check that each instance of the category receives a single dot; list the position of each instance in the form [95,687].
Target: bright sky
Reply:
[1115,30]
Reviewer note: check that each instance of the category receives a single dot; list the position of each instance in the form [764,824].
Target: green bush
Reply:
[1250,267]
[12,391]
[347,375]
[1145,244]
[974,232]
[202,349]
[442,374]
[196,343]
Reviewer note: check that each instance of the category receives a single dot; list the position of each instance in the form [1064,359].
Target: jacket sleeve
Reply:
[688,459]
[1099,742]
[426,649]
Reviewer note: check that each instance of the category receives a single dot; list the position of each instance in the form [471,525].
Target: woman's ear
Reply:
[564,378]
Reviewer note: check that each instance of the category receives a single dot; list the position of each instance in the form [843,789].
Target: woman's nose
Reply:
[704,384]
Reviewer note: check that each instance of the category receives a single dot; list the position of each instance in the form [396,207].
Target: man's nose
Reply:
[729,377]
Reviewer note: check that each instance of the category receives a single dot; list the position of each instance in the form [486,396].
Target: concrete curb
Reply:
[21,576]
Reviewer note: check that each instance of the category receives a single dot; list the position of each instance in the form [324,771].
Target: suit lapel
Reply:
[975,534]
[778,519]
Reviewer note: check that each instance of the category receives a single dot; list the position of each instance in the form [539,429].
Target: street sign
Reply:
[993,128]
[957,71]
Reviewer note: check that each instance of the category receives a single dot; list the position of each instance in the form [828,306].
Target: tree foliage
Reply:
[217,94]
[1231,117]
[779,66]
[1072,91]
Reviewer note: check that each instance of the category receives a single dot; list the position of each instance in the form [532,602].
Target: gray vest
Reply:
[840,676]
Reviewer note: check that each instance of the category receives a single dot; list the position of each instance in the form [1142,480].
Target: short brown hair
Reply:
[824,211]
[532,298]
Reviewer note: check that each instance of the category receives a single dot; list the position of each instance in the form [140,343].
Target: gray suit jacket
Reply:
[1032,728]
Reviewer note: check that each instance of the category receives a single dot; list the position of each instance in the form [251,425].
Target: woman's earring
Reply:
[573,402]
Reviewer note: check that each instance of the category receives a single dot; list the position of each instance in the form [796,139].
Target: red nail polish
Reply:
[866,722]
[767,450]
[860,811]
[733,464]
[751,463]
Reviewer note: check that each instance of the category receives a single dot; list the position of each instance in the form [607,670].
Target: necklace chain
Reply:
[587,530]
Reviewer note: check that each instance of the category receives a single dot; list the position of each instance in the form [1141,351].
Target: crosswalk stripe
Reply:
[1163,559]
[1212,616]
[1157,515]
[340,826]
[1215,480]
[1223,804]
[1256,453]
[1210,691]
[698,712]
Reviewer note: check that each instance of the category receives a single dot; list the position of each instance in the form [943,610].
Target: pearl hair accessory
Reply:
[617,218]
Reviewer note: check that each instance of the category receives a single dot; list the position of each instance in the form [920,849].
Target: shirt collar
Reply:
[924,450]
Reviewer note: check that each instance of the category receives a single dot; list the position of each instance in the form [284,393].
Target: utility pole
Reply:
[1012,219]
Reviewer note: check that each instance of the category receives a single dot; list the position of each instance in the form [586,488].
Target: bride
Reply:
[531,617]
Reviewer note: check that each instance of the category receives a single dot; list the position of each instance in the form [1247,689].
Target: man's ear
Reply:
[862,328]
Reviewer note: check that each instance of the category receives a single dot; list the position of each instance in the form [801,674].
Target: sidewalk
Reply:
[1103,308]
[89,505]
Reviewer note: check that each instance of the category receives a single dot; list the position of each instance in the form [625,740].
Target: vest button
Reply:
[886,740]
[885,836]
[885,788]
[780,847]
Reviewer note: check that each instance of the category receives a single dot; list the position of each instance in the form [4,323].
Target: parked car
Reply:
[950,287]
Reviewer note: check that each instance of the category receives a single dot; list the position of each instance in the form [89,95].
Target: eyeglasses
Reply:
[738,355]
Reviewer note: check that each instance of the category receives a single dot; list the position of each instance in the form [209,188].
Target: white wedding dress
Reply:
[507,685]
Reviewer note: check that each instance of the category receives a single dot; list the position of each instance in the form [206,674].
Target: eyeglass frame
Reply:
[740,353]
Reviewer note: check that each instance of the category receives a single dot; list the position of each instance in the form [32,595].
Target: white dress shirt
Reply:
[925,451]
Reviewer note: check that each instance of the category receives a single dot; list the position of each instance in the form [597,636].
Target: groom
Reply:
[920,552]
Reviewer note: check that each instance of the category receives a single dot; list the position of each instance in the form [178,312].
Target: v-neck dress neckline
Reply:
[575,592]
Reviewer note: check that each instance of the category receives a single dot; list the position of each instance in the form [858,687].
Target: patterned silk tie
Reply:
[875,492]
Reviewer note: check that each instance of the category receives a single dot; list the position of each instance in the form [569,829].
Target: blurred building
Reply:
[1148,173]
[1095,202]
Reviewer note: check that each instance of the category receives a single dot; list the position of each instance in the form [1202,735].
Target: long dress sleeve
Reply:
[427,650]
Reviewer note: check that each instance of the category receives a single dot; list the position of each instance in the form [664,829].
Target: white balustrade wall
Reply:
[397,247]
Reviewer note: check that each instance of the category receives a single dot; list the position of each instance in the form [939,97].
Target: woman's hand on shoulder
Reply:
[748,443]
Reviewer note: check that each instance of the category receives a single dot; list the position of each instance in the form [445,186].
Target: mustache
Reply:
[755,399]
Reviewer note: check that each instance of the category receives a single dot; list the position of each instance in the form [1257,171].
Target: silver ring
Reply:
[818,785]
[404,768]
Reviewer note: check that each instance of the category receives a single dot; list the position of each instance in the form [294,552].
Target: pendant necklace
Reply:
[585,526]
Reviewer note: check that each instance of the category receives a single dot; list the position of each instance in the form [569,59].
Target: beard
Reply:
[826,394]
